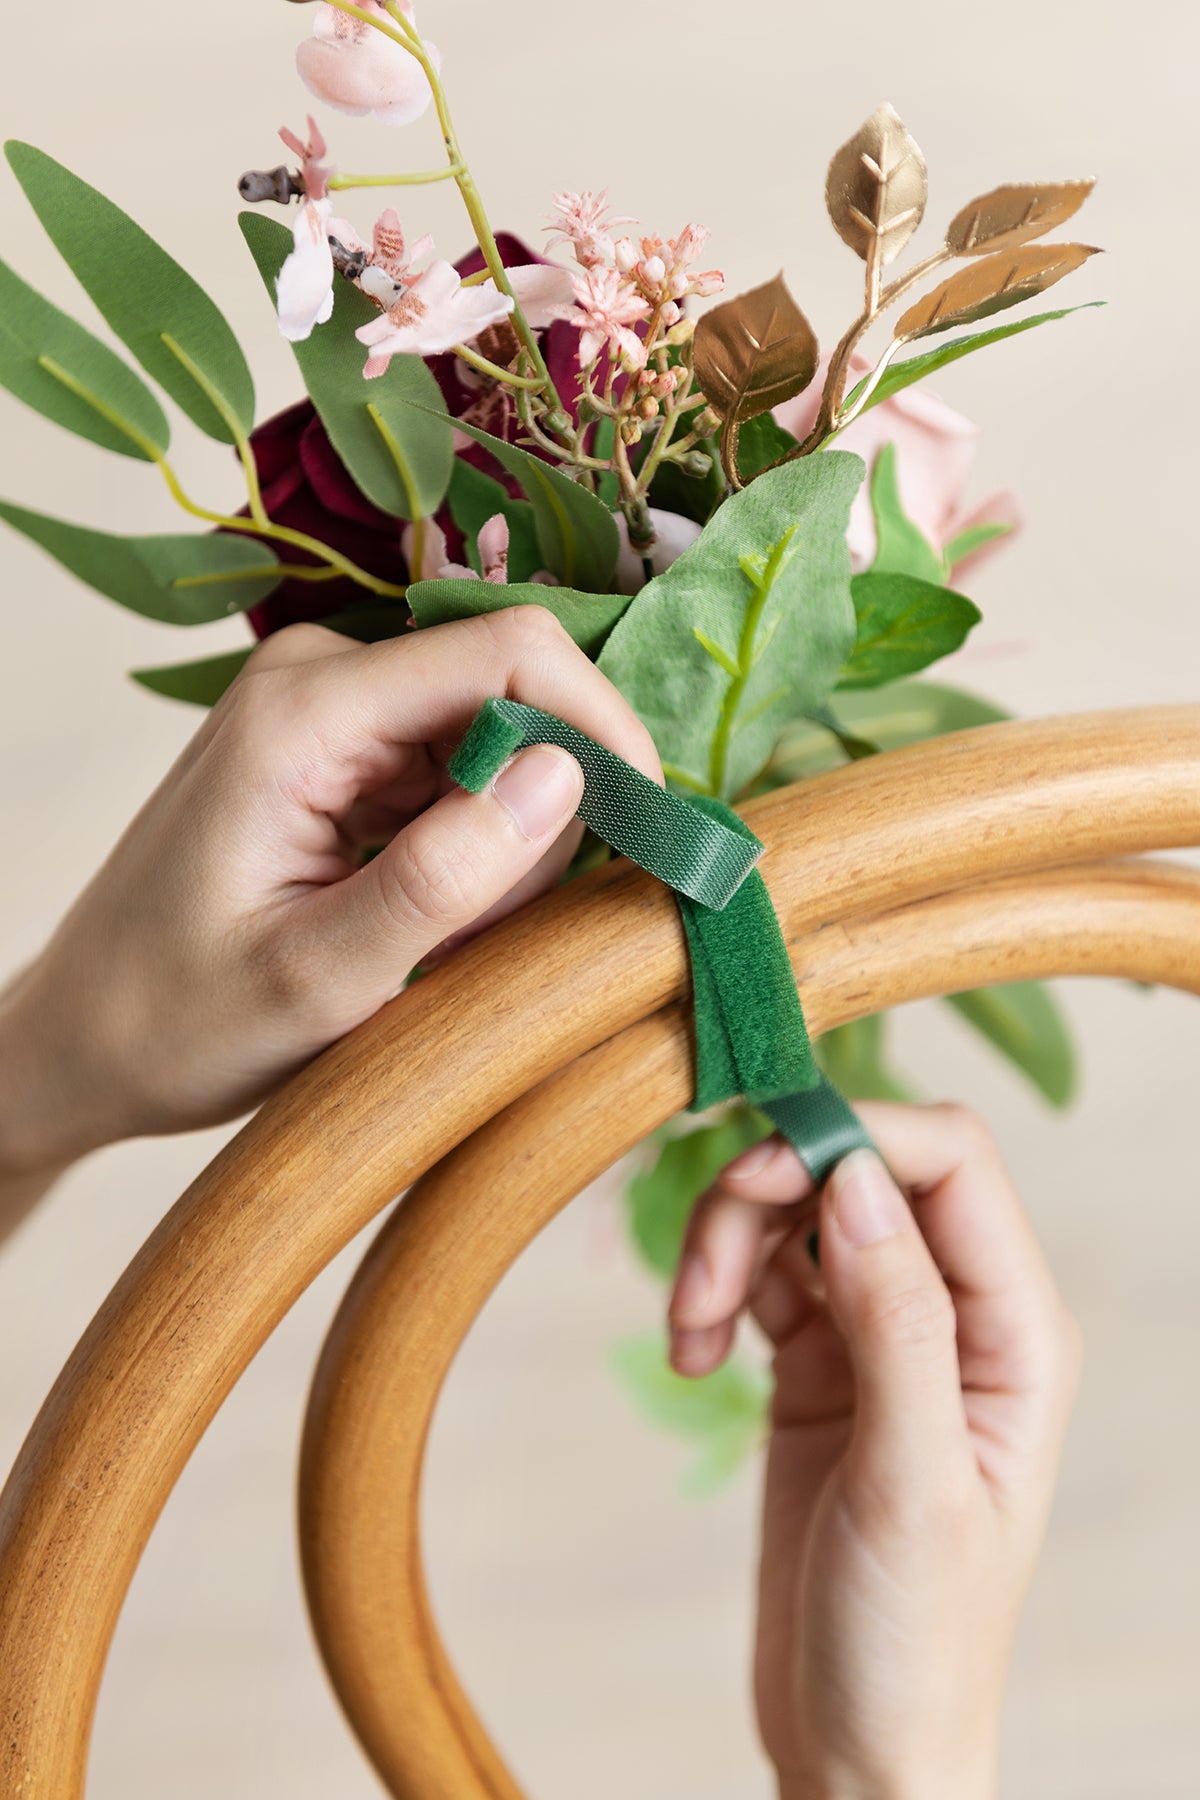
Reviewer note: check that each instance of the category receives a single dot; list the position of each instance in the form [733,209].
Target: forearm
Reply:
[34,1148]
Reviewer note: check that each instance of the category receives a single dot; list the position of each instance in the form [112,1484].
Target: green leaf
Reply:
[790,638]
[724,1413]
[692,496]
[901,546]
[588,617]
[1025,1023]
[577,534]
[184,579]
[762,441]
[143,294]
[57,367]
[854,1059]
[399,454]
[972,539]
[903,625]
[201,683]
[474,499]
[915,368]
[659,1199]
[887,718]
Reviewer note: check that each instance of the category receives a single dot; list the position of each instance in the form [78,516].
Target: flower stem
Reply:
[419,178]
[494,371]
[762,579]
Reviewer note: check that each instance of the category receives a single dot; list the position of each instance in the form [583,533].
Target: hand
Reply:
[910,1475]
[233,933]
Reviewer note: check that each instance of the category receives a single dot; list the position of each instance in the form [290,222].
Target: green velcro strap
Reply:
[751,1038]
[696,855]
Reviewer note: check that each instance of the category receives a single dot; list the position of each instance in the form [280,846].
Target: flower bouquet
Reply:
[761,545]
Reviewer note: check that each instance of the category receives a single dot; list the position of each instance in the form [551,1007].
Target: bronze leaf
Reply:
[876,187]
[989,285]
[753,352]
[1013,214]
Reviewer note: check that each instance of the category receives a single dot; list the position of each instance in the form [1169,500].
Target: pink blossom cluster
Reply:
[623,282]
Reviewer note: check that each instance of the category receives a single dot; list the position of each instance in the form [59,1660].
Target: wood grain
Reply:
[441,1254]
[368,1117]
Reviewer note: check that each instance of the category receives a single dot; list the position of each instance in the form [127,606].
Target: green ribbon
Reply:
[751,1038]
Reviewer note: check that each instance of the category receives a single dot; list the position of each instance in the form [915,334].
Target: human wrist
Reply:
[43,1126]
[976,1782]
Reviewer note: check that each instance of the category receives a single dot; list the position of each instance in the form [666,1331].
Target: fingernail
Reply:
[690,1354]
[539,789]
[867,1204]
[751,1162]
[692,1288]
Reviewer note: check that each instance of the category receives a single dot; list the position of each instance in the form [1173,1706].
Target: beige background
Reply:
[603,1623]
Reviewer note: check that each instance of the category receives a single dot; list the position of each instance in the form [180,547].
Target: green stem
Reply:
[422,178]
[221,406]
[251,527]
[404,33]
[494,370]
[762,582]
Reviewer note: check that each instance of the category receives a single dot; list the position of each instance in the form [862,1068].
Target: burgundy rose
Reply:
[306,486]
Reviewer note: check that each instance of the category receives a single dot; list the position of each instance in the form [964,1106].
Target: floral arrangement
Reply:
[761,545]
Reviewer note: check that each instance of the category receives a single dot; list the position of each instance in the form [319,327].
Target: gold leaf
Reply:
[1013,214]
[876,187]
[753,352]
[991,284]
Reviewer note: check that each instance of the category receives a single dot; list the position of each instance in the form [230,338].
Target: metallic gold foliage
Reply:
[989,285]
[1013,214]
[876,188]
[750,354]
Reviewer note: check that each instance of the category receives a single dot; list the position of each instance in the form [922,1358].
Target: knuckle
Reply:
[918,1318]
[290,643]
[425,882]
[968,1126]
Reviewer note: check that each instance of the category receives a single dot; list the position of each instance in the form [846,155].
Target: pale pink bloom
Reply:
[541,290]
[934,449]
[662,269]
[313,172]
[304,286]
[433,551]
[493,554]
[582,221]
[359,70]
[433,313]
[606,306]
[672,536]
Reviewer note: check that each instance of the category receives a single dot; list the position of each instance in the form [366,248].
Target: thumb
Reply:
[895,1312]
[449,866]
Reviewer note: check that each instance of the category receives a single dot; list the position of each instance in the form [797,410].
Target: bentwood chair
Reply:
[1006,853]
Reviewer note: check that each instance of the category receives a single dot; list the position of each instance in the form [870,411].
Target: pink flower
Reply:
[673,534]
[493,554]
[581,220]
[606,306]
[934,449]
[662,270]
[542,291]
[304,287]
[359,70]
[432,313]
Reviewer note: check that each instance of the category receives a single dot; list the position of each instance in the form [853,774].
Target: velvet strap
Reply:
[751,1039]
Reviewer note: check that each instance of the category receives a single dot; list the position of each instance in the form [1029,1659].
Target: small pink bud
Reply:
[679,285]
[625,252]
[654,271]
[671,314]
[648,408]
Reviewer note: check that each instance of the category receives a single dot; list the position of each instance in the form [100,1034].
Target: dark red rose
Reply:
[307,487]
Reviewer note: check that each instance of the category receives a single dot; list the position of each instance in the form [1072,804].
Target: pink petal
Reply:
[493,548]
[1000,508]
[540,289]
[434,315]
[359,70]
[305,283]
[433,551]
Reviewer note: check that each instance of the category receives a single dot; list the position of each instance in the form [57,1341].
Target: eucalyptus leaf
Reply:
[474,499]
[854,1058]
[200,683]
[723,1413]
[901,546]
[1025,1023]
[888,717]
[54,364]
[143,294]
[762,441]
[900,375]
[589,618]
[903,625]
[180,579]
[692,496]
[400,455]
[768,581]
[659,1200]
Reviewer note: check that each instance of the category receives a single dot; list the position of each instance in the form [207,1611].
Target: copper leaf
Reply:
[754,352]
[1013,214]
[989,285]
[876,187]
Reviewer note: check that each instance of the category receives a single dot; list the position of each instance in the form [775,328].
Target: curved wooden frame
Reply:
[367,1118]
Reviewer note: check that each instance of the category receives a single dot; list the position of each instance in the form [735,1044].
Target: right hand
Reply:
[232,934]
[924,1379]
